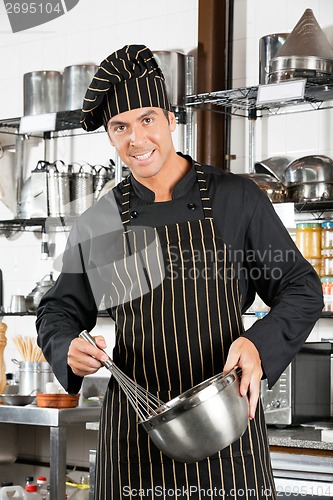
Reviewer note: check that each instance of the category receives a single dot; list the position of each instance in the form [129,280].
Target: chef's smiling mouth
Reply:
[144,156]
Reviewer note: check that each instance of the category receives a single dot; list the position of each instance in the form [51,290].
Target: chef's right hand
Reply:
[84,358]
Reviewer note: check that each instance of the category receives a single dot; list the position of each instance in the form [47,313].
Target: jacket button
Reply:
[191,206]
[134,214]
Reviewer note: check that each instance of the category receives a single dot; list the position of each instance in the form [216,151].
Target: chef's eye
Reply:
[120,128]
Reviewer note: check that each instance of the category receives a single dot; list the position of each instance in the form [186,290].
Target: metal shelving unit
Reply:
[242,101]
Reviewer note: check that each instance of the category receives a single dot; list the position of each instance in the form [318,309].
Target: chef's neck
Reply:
[164,182]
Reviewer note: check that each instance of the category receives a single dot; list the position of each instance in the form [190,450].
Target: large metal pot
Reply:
[309,178]
[202,420]
[311,191]
[283,68]
[173,66]
[76,80]
[312,168]
[42,92]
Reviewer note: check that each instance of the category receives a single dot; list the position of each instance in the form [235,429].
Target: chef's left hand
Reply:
[244,354]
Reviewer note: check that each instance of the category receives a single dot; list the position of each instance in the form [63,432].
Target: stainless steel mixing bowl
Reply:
[202,420]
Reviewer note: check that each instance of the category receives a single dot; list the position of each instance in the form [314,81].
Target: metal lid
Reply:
[304,225]
[327,225]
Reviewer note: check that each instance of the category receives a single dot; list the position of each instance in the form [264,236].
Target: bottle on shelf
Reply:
[42,485]
[28,481]
[32,491]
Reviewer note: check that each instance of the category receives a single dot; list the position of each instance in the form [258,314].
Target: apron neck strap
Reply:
[127,188]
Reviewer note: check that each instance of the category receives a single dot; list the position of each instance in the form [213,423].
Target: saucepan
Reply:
[202,420]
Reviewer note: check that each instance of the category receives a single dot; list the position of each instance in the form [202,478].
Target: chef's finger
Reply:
[90,349]
[253,399]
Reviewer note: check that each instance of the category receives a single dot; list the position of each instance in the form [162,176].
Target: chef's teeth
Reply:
[143,157]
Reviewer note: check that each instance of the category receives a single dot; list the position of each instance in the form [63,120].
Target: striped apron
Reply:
[172,337]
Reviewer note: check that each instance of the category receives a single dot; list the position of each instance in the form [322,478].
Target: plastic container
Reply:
[308,239]
[13,492]
[327,238]
[327,284]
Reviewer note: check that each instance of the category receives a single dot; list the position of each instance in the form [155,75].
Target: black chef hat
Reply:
[129,78]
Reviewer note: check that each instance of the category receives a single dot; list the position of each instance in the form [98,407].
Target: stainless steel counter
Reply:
[57,420]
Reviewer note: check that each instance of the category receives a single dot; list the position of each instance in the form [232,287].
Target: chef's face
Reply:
[143,141]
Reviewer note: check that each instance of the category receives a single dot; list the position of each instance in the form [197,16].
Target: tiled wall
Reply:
[87,34]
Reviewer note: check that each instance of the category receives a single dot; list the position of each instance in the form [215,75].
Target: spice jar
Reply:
[327,284]
[308,239]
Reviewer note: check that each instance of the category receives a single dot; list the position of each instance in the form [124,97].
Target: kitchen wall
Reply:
[87,34]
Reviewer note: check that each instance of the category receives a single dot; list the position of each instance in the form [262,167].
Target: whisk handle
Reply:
[86,336]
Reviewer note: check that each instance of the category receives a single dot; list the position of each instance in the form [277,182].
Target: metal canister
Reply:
[42,92]
[58,191]
[101,177]
[82,190]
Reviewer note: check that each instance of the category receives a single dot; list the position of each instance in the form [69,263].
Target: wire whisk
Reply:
[145,404]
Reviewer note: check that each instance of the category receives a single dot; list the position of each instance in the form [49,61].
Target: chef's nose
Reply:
[137,136]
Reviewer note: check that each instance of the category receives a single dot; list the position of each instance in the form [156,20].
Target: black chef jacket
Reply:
[266,261]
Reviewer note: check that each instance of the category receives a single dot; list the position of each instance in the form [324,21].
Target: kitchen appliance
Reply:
[302,392]
[194,425]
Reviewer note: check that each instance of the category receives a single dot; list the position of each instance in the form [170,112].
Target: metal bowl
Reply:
[201,421]
[313,168]
[275,166]
[274,189]
[17,399]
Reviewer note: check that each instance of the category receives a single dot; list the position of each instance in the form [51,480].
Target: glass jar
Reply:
[327,266]
[327,284]
[327,238]
[308,239]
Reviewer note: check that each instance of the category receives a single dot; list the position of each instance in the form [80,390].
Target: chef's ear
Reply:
[172,121]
